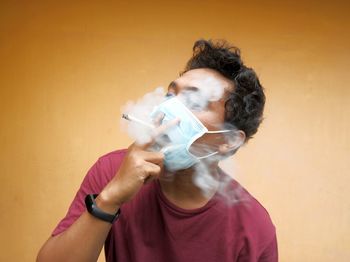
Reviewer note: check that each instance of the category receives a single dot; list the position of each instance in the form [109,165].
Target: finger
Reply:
[158,119]
[163,128]
[141,152]
[153,157]
[149,179]
[152,171]
[157,132]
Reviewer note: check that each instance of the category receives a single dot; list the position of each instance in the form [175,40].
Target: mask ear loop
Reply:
[216,152]
[209,155]
[219,131]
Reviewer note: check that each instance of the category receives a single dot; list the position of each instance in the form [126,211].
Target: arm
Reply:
[84,239]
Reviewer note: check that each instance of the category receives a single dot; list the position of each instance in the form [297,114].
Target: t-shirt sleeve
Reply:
[270,254]
[260,234]
[95,180]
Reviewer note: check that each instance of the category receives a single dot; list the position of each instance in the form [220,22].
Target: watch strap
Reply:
[94,210]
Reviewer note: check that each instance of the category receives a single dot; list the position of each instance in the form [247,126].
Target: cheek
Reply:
[213,118]
[210,120]
[207,144]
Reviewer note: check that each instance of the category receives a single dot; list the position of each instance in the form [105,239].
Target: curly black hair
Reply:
[245,104]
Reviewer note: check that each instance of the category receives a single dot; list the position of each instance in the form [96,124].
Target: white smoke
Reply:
[224,182]
[195,100]
[141,109]
[198,99]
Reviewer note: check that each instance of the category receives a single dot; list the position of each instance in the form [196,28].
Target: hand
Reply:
[139,166]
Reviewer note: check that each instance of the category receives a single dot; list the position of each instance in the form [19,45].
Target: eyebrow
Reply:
[172,85]
[175,86]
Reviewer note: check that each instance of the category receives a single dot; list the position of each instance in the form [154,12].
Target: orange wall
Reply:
[67,68]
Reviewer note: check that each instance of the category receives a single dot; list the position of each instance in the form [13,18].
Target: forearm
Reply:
[82,241]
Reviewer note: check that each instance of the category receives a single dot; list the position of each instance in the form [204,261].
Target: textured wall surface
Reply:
[67,68]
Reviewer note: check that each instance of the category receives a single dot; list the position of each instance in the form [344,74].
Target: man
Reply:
[142,215]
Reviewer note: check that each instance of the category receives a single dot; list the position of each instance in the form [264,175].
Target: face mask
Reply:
[181,136]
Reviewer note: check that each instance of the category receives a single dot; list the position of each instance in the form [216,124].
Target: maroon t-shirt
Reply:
[151,228]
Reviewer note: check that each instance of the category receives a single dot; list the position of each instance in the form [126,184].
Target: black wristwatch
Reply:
[93,209]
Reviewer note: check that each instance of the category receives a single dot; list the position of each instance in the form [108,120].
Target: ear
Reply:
[232,145]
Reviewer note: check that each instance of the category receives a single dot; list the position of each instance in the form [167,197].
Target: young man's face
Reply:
[193,84]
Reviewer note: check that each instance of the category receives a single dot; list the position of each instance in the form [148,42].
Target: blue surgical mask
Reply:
[176,154]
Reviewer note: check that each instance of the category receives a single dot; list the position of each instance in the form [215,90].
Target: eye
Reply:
[193,100]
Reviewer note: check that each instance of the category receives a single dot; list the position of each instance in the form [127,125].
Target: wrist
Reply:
[106,203]
[97,212]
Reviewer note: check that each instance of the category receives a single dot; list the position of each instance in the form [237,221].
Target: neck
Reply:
[180,189]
